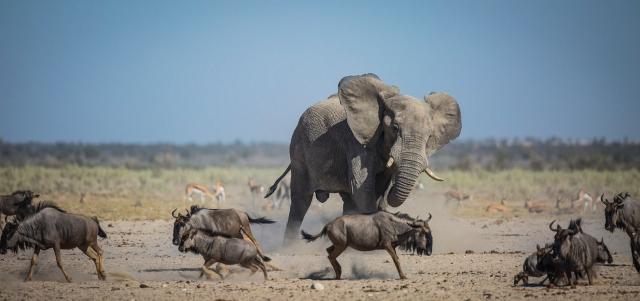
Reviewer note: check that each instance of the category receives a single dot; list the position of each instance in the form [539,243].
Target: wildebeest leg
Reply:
[207,264]
[208,272]
[335,251]
[260,264]
[543,280]
[100,254]
[56,250]
[590,275]
[396,260]
[96,256]
[34,261]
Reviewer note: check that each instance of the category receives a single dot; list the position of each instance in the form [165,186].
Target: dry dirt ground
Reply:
[142,264]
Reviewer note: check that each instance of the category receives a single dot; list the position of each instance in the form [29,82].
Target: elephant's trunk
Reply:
[412,163]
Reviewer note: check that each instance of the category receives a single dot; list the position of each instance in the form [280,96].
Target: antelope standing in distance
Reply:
[256,189]
[455,195]
[202,190]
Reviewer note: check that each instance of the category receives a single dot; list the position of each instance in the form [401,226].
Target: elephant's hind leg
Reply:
[300,201]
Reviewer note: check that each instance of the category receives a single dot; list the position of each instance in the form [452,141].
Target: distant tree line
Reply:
[490,154]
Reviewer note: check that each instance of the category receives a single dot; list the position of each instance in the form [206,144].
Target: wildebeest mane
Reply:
[47,204]
[404,216]
[195,209]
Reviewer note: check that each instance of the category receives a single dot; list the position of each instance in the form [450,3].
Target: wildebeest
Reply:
[603,256]
[367,232]
[539,263]
[219,247]
[16,202]
[577,252]
[419,242]
[624,213]
[225,221]
[51,227]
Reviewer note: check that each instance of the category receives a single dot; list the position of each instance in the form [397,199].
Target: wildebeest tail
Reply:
[101,232]
[273,187]
[309,238]
[260,220]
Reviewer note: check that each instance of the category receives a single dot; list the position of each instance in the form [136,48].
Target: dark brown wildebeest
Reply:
[219,247]
[577,252]
[419,242]
[539,263]
[367,232]
[624,213]
[51,227]
[11,204]
[225,221]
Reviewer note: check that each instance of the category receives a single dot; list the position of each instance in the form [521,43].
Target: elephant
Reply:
[363,141]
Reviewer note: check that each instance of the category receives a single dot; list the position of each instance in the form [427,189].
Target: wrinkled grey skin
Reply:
[50,227]
[343,145]
[216,247]
[624,213]
[367,232]
[577,252]
[225,221]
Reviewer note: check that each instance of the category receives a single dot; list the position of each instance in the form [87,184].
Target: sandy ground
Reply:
[142,264]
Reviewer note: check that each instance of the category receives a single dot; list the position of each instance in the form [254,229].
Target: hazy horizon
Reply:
[208,71]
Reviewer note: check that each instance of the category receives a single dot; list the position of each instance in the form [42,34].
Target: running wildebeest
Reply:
[419,242]
[225,221]
[220,247]
[624,213]
[577,253]
[367,232]
[51,227]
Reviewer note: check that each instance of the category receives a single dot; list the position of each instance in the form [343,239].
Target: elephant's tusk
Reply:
[390,162]
[432,175]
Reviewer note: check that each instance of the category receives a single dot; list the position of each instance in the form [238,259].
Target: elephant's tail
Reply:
[309,238]
[273,187]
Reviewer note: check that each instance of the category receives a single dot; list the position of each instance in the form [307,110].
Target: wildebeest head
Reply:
[186,239]
[422,239]
[7,233]
[11,204]
[612,211]
[562,239]
[178,226]
[603,252]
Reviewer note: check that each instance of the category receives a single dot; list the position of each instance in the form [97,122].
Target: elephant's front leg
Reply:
[363,182]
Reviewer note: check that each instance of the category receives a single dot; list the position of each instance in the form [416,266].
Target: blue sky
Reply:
[207,71]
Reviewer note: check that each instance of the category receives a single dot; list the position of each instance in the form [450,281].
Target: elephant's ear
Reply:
[446,120]
[361,96]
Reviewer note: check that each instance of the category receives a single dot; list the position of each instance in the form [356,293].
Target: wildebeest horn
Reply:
[603,200]
[188,213]
[173,213]
[551,226]
[538,247]
[429,218]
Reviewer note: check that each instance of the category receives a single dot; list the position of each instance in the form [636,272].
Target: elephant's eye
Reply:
[395,127]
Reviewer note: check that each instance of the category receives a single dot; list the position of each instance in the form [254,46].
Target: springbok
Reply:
[202,190]
[537,206]
[455,195]
[497,207]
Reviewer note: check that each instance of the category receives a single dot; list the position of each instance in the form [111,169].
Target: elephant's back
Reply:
[320,117]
